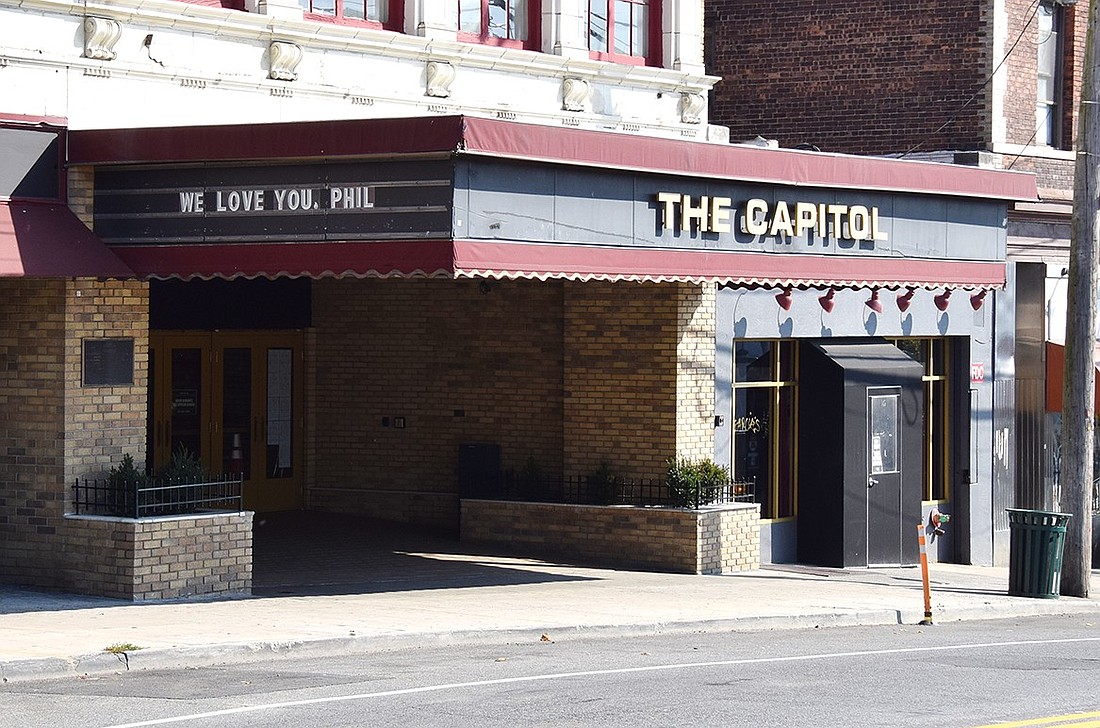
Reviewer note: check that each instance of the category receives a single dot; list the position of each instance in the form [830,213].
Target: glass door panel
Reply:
[280,413]
[236,410]
[179,397]
[234,399]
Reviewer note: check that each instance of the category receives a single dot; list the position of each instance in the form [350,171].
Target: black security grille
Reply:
[130,499]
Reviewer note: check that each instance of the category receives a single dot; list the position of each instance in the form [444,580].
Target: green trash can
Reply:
[1035,546]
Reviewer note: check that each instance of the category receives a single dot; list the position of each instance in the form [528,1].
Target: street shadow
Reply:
[305,553]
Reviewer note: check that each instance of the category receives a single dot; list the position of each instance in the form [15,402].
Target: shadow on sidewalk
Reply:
[305,553]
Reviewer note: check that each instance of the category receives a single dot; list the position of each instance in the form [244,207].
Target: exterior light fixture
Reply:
[904,299]
[943,300]
[873,303]
[977,300]
[827,301]
[784,298]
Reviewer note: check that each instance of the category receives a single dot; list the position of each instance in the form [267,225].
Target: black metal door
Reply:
[884,507]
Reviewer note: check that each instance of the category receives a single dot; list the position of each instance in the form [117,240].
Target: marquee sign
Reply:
[309,202]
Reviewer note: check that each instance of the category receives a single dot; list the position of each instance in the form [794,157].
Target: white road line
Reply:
[590,673]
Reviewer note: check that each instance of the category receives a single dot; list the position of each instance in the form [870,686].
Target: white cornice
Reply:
[223,23]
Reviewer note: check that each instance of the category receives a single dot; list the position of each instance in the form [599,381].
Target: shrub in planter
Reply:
[603,486]
[694,483]
[184,467]
[529,482]
[126,473]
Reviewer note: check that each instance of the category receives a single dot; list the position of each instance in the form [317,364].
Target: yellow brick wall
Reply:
[620,377]
[458,364]
[32,426]
[695,371]
[103,423]
[163,558]
[52,429]
[709,541]
[639,376]
[570,374]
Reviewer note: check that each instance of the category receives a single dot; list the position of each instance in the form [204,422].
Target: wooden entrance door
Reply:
[234,399]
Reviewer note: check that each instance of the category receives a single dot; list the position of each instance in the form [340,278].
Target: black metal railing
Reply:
[584,490]
[139,499]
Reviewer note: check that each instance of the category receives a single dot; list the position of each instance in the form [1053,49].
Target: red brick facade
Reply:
[850,76]
[887,78]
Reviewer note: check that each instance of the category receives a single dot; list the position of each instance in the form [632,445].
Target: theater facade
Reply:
[337,308]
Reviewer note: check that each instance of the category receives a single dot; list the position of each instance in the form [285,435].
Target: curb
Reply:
[22,670]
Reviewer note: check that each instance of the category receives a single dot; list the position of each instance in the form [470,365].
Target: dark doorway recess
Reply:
[283,303]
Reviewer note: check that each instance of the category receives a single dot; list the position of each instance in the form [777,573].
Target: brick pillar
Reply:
[695,371]
[639,375]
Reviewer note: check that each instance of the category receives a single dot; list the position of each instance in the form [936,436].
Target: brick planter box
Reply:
[165,557]
[711,540]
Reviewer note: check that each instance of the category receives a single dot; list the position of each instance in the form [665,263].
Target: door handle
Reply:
[871,483]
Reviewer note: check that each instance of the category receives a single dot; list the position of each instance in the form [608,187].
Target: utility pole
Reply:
[1078,406]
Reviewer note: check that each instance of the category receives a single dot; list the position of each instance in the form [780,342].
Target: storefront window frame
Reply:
[934,354]
[784,359]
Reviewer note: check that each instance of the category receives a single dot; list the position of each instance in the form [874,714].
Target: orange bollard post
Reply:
[924,575]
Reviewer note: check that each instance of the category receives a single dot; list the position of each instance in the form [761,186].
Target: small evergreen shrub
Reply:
[694,483]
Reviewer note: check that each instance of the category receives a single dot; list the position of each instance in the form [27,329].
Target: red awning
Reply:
[418,258]
[495,259]
[587,262]
[42,239]
[1056,357]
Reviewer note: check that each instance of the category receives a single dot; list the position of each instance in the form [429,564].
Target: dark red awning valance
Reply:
[495,259]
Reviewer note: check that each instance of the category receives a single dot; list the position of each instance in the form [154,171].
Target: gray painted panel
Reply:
[612,207]
[924,235]
[29,163]
[968,225]
[505,202]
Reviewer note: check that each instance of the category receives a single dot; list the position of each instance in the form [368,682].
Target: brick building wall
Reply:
[32,426]
[459,361]
[620,377]
[52,428]
[568,375]
[851,76]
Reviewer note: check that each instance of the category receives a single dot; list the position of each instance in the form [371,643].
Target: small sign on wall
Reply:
[108,362]
[977,372]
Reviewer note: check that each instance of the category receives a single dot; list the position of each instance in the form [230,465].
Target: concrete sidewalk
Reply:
[512,599]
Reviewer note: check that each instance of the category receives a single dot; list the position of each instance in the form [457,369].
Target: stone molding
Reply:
[284,58]
[438,79]
[575,93]
[691,108]
[100,37]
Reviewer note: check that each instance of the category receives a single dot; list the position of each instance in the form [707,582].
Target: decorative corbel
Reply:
[691,108]
[439,77]
[100,36]
[284,58]
[574,94]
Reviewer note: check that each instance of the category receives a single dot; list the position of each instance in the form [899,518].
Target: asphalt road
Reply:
[955,674]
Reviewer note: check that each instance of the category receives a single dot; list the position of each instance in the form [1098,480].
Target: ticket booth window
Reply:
[764,406]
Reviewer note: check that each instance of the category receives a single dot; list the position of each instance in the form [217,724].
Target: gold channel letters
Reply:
[759,217]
